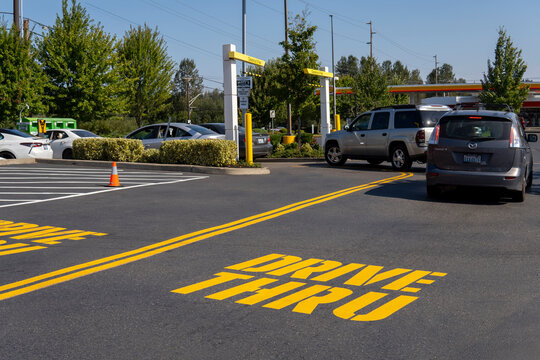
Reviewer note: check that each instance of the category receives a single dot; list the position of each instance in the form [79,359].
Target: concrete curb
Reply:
[4,162]
[267,160]
[141,166]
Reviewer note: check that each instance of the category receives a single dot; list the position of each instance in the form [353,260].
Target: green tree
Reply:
[187,76]
[294,82]
[21,78]
[502,83]
[370,87]
[445,75]
[347,66]
[209,107]
[149,71]
[265,95]
[80,62]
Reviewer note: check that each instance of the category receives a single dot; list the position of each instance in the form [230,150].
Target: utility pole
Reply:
[289,112]
[371,42]
[16,15]
[243,35]
[436,70]
[333,70]
[188,79]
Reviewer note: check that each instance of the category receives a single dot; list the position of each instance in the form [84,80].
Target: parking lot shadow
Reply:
[416,190]
[363,166]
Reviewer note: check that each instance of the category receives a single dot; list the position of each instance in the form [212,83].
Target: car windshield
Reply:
[84,133]
[201,129]
[16,133]
[475,128]
[430,118]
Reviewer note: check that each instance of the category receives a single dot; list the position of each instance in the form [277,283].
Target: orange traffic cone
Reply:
[114,181]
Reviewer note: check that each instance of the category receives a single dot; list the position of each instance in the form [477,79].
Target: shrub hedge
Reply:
[191,152]
[107,149]
[199,152]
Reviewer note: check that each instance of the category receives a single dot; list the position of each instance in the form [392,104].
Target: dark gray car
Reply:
[482,148]
[153,135]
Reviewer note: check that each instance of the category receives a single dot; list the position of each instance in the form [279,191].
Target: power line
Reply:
[194,47]
[202,24]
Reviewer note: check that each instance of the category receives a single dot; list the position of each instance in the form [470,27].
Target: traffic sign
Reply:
[42,126]
[244,102]
[272,114]
[244,82]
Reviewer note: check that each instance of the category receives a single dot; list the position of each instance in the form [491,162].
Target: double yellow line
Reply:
[59,276]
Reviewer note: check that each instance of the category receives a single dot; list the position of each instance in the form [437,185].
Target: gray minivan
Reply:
[482,148]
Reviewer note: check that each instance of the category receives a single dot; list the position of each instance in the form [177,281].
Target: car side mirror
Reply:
[347,127]
[532,138]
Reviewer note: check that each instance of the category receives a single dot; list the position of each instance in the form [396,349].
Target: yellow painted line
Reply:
[73,272]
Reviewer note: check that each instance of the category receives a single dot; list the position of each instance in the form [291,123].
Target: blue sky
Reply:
[461,33]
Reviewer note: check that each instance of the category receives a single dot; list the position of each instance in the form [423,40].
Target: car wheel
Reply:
[374,162]
[67,154]
[7,155]
[433,191]
[333,155]
[519,196]
[400,158]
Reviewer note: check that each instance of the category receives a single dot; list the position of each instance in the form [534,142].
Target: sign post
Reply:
[234,88]
[272,117]
[324,75]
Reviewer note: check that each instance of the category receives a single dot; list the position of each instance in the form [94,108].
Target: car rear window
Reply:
[416,119]
[84,133]
[16,133]
[201,129]
[475,127]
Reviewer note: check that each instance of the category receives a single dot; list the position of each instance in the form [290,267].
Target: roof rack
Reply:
[408,106]
[483,106]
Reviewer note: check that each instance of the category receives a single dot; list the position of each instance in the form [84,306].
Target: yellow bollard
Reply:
[249,140]
[337,122]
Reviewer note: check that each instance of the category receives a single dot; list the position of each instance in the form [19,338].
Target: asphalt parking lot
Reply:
[307,262]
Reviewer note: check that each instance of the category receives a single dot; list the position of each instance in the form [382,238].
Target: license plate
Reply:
[45,147]
[260,141]
[472,158]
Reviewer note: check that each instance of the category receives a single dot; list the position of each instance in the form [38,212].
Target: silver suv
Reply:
[397,134]
[480,148]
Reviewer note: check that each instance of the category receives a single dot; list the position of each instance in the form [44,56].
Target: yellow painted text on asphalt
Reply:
[73,272]
[23,237]
[350,302]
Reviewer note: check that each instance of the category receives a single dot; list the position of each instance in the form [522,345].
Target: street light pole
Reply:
[289,112]
[243,35]
[333,70]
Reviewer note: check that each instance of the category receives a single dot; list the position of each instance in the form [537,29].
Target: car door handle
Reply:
[362,135]
[384,134]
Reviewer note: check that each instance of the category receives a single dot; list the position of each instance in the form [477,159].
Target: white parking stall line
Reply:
[37,193]
[48,187]
[103,191]
[63,182]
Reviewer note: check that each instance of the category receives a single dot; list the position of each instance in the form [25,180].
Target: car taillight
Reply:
[420,137]
[515,141]
[435,135]
[31,144]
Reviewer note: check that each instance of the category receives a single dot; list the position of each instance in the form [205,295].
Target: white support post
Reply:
[230,95]
[326,126]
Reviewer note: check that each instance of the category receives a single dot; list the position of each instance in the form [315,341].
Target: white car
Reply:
[62,141]
[15,144]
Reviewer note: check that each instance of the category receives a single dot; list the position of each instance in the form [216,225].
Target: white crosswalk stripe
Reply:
[43,184]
